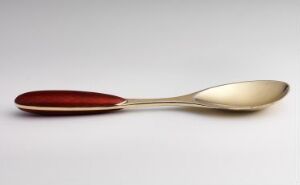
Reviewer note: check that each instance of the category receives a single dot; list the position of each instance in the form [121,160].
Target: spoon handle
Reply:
[67,102]
[63,102]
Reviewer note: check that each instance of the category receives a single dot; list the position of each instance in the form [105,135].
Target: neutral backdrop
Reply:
[148,49]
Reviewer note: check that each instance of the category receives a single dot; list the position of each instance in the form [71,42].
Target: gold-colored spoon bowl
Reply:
[250,95]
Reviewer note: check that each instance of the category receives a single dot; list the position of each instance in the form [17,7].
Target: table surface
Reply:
[148,49]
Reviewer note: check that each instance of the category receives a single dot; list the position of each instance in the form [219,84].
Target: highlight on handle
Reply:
[61,102]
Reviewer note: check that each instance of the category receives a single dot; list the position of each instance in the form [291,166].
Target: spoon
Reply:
[241,96]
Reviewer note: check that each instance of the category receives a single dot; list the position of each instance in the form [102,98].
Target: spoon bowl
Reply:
[250,95]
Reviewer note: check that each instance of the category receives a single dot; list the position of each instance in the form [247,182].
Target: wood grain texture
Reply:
[64,98]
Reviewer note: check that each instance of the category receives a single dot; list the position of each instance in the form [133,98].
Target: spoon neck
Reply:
[186,100]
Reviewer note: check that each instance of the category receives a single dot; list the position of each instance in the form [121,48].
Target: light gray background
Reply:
[148,49]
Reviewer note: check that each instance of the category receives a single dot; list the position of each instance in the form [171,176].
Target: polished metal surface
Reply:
[250,95]
[240,96]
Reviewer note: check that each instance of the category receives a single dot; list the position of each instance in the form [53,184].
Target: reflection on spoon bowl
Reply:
[252,95]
